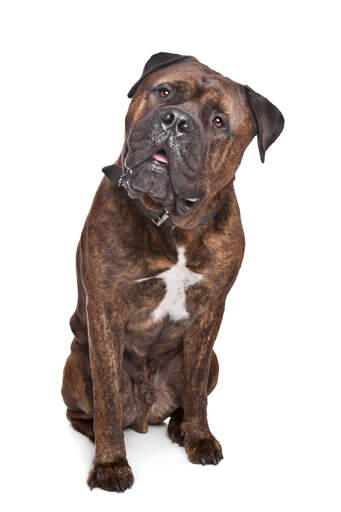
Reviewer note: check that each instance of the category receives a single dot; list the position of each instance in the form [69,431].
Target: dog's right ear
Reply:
[157,61]
[268,119]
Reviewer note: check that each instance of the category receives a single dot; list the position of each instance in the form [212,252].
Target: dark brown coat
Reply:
[128,368]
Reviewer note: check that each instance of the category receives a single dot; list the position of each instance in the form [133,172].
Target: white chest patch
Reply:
[177,279]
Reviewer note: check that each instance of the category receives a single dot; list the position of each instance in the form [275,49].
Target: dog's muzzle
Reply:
[165,154]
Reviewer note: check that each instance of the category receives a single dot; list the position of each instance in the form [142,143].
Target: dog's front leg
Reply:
[201,446]
[110,469]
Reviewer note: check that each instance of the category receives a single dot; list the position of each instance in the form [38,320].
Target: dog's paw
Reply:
[204,451]
[175,433]
[113,476]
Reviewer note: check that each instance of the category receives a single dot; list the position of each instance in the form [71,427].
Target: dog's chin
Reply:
[150,182]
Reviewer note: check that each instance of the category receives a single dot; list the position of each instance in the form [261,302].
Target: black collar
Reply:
[115,174]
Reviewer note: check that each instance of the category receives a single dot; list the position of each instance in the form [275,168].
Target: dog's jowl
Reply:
[160,250]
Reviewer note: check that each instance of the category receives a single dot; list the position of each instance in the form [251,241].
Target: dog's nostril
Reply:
[183,125]
[168,118]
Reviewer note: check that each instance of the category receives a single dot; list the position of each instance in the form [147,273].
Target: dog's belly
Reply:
[151,393]
[153,364]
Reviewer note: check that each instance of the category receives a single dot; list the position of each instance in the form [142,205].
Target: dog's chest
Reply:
[176,280]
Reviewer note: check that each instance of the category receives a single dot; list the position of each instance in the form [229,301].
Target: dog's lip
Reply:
[182,204]
[159,157]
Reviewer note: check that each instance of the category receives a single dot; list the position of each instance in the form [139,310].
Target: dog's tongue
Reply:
[160,158]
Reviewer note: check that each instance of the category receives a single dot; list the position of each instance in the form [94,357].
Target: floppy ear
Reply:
[157,61]
[269,120]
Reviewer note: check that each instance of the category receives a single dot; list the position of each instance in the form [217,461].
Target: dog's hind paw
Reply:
[112,476]
[175,433]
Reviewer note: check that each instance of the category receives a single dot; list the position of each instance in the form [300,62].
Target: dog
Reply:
[160,250]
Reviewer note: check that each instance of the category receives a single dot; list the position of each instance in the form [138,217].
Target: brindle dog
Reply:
[151,298]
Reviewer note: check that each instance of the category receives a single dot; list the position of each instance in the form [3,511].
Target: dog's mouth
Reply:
[160,157]
[184,206]
[152,177]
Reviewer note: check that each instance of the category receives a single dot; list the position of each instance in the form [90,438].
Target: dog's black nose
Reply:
[176,120]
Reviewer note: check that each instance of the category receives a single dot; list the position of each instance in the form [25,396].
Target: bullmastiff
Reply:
[160,249]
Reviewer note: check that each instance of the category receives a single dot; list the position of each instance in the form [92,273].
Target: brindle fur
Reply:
[126,370]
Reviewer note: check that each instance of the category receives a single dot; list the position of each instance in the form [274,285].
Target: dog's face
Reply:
[186,131]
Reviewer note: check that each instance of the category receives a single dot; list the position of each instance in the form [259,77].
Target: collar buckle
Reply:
[160,219]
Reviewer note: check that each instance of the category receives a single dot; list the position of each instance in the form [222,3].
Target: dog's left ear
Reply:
[269,120]
[157,61]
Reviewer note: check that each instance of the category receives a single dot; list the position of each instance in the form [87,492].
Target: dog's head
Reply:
[187,128]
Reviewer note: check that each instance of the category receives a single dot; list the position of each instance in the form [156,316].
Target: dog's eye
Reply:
[218,122]
[164,93]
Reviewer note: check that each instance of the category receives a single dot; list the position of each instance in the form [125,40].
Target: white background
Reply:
[66,69]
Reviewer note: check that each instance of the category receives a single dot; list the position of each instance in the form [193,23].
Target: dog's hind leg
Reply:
[77,380]
[77,390]
[82,423]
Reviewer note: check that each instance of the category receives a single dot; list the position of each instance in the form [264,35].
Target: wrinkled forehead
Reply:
[199,84]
